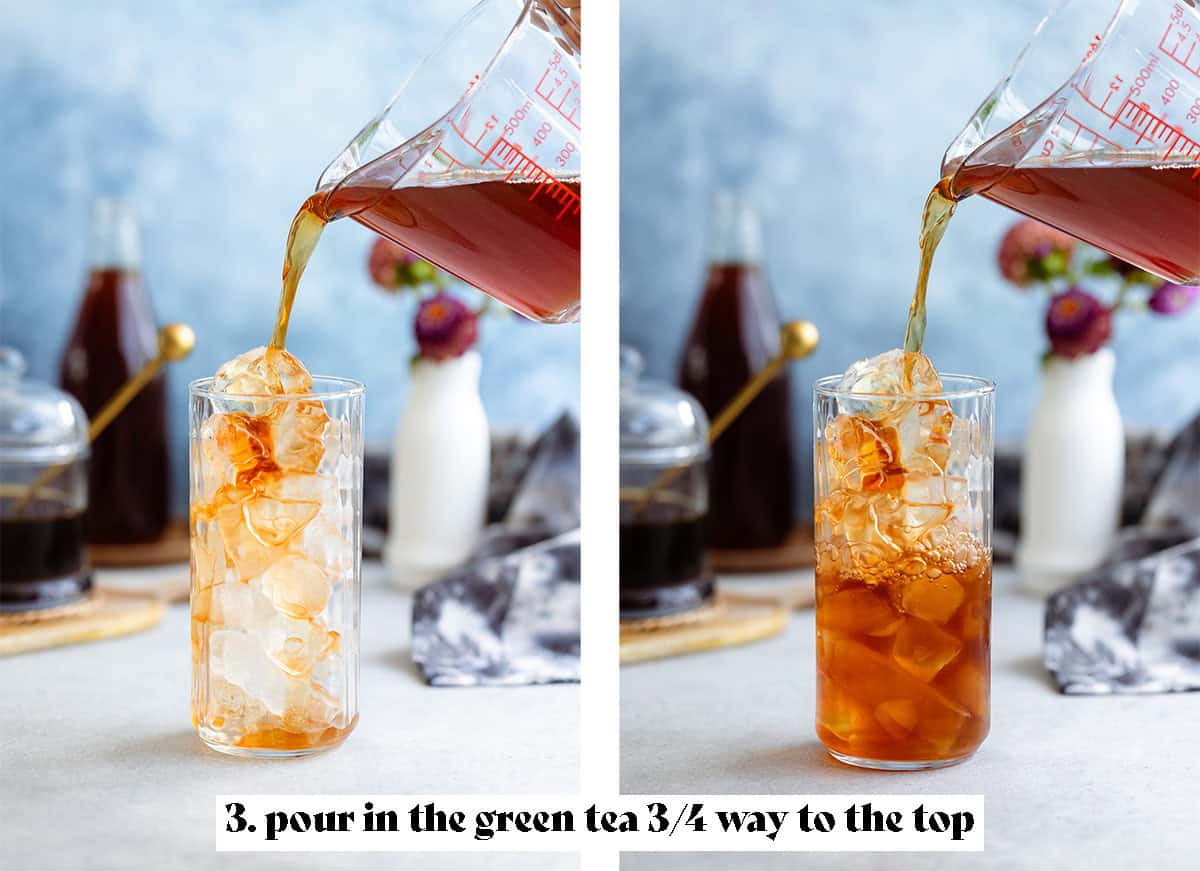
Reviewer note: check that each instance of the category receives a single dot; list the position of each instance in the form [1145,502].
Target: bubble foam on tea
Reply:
[903,584]
[272,539]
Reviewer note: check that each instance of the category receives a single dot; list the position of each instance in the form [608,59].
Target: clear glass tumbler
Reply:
[903,518]
[276,525]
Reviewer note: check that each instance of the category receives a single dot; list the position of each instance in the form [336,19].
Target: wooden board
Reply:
[171,548]
[733,619]
[793,595]
[106,613]
[795,553]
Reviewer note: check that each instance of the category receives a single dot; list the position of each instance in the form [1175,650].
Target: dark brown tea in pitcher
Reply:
[517,241]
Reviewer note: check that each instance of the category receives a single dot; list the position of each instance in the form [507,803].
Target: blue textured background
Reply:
[834,118]
[216,120]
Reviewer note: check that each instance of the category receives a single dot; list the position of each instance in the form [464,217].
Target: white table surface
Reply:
[100,769]
[1069,782]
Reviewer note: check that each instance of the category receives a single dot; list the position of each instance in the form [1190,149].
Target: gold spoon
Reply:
[175,342]
[797,339]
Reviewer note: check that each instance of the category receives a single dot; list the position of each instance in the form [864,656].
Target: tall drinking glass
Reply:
[276,523]
[903,577]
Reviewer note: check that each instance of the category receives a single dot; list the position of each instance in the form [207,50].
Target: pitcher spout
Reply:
[1020,117]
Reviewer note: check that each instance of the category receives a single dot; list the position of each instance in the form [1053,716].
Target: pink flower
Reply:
[1032,251]
[1171,299]
[393,266]
[444,327]
[1077,323]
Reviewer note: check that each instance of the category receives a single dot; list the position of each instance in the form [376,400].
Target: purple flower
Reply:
[1077,323]
[1171,299]
[444,327]
[1032,251]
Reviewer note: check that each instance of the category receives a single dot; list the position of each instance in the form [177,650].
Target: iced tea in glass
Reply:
[276,524]
[903,563]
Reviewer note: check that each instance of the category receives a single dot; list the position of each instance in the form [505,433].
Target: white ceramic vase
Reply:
[439,474]
[1073,473]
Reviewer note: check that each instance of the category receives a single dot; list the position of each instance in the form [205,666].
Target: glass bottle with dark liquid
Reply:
[113,337]
[735,334]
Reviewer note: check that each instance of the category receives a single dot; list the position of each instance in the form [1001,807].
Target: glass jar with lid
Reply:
[664,497]
[43,492]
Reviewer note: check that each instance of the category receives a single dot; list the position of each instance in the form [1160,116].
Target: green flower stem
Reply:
[1122,294]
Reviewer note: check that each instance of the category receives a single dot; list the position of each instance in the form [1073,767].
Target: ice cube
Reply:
[926,505]
[283,509]
[923,649]
[843,714]
[263,372]
[975,615]
[207,554]
[862,456]
[207,467]
[237,657]
[968,685]
[874,679]
[932,599]
[320,490]
[940,727]
[866,521]
[326,542]
[296,586]
[859,610]
[309,709]
[237,604]
[237,441]
[898,717]
[298,432]
[274,521]
[227,703]
[923,436]
[294,644]
[246,552]
[892,373]
[965,441]
[895,453]
[329,669]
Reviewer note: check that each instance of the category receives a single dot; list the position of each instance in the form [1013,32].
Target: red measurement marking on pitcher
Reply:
[1068,121]
[1137,118]
[556,88]
[437,162]
[445,159]
[1181,46]
[464,120]
[508,155]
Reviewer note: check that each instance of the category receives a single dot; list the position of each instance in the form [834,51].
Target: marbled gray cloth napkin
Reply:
[510,615]
[1133,625]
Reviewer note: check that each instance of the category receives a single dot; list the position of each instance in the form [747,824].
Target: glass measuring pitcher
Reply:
[1096,131]
[475,162]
